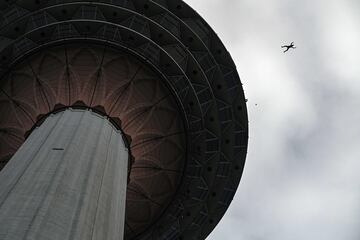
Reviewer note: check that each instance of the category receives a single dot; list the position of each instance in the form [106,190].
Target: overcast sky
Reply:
[301,179]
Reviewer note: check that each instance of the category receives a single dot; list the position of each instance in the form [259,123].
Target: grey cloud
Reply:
[300,180]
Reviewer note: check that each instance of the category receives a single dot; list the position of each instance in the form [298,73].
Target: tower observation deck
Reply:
[119,119]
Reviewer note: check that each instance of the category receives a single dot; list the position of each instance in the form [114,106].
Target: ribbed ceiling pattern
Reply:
[121,87]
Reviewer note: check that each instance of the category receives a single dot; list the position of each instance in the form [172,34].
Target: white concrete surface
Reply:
[74,193]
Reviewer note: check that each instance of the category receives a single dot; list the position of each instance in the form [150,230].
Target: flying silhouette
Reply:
[288,46]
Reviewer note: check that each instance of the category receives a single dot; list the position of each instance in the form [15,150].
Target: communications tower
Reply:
[119,119]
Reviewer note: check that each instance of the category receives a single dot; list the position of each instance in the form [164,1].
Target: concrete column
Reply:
[67,181]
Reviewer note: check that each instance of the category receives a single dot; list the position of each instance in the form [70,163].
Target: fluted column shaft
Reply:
[67,181]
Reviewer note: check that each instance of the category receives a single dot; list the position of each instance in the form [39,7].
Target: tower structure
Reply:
[120,119]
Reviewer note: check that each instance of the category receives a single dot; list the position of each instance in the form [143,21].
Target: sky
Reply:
[301,179]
